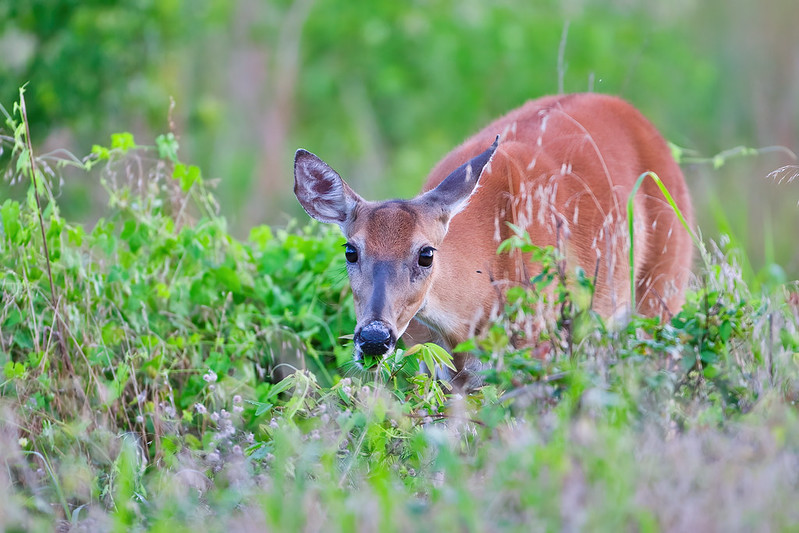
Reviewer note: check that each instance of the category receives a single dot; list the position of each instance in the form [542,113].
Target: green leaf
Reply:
[122,141]
[187,175]
[262,407]
[413,350]
[75,235]
[9,213]
[440,355]
[101,151]
[14,370]
[280,387]
[710,371]
[167,147]
[261,235]
[725,330]
[708,356]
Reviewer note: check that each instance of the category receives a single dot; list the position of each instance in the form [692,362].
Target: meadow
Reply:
[175,350]
[160,374]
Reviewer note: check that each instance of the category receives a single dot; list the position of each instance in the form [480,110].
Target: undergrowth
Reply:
[176,378]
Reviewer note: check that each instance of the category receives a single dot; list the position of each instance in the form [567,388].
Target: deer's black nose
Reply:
[375,338]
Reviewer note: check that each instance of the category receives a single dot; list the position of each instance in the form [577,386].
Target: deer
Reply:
[560,167]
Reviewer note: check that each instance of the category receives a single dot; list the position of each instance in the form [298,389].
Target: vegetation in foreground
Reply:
[159,374]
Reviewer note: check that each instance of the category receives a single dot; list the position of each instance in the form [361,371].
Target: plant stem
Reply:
[61,334]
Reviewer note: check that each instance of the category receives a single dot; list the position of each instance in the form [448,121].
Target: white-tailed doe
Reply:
[562,167]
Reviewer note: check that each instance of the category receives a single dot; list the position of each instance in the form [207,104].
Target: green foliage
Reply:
[88,61]
[158,293]
[176,407]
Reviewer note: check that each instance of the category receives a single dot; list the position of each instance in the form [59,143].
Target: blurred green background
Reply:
[382,90]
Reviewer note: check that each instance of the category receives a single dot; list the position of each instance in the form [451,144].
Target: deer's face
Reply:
[391,258]
[391,246]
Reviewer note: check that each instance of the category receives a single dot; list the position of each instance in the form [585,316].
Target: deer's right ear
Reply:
[321,191]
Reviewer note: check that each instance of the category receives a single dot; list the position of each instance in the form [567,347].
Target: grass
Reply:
[175,409]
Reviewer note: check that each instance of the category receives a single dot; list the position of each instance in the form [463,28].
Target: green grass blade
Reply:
[631,229]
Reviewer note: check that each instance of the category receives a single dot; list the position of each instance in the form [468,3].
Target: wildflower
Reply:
[237,399]
[200,408]
[273,423]
[215,416]
[210,376]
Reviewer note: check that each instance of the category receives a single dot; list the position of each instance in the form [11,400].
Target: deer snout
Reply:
[375,338]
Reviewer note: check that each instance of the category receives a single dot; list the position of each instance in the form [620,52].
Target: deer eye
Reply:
[350,253]
[426,256]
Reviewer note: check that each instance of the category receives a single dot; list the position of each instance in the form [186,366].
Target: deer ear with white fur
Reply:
[453,193]
[321,191]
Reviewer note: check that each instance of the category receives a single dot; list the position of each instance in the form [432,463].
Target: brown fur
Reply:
[563,170]
[608,144]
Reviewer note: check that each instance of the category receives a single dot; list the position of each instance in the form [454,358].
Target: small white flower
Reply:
[238,409]
[215,416]
[237,399]
[250,438]
[210,376]
[200,408]
[273,423]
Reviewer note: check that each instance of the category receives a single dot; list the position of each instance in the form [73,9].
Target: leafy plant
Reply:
[205,385]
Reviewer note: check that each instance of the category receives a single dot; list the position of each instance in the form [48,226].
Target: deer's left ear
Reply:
[453,193]
[322,192]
